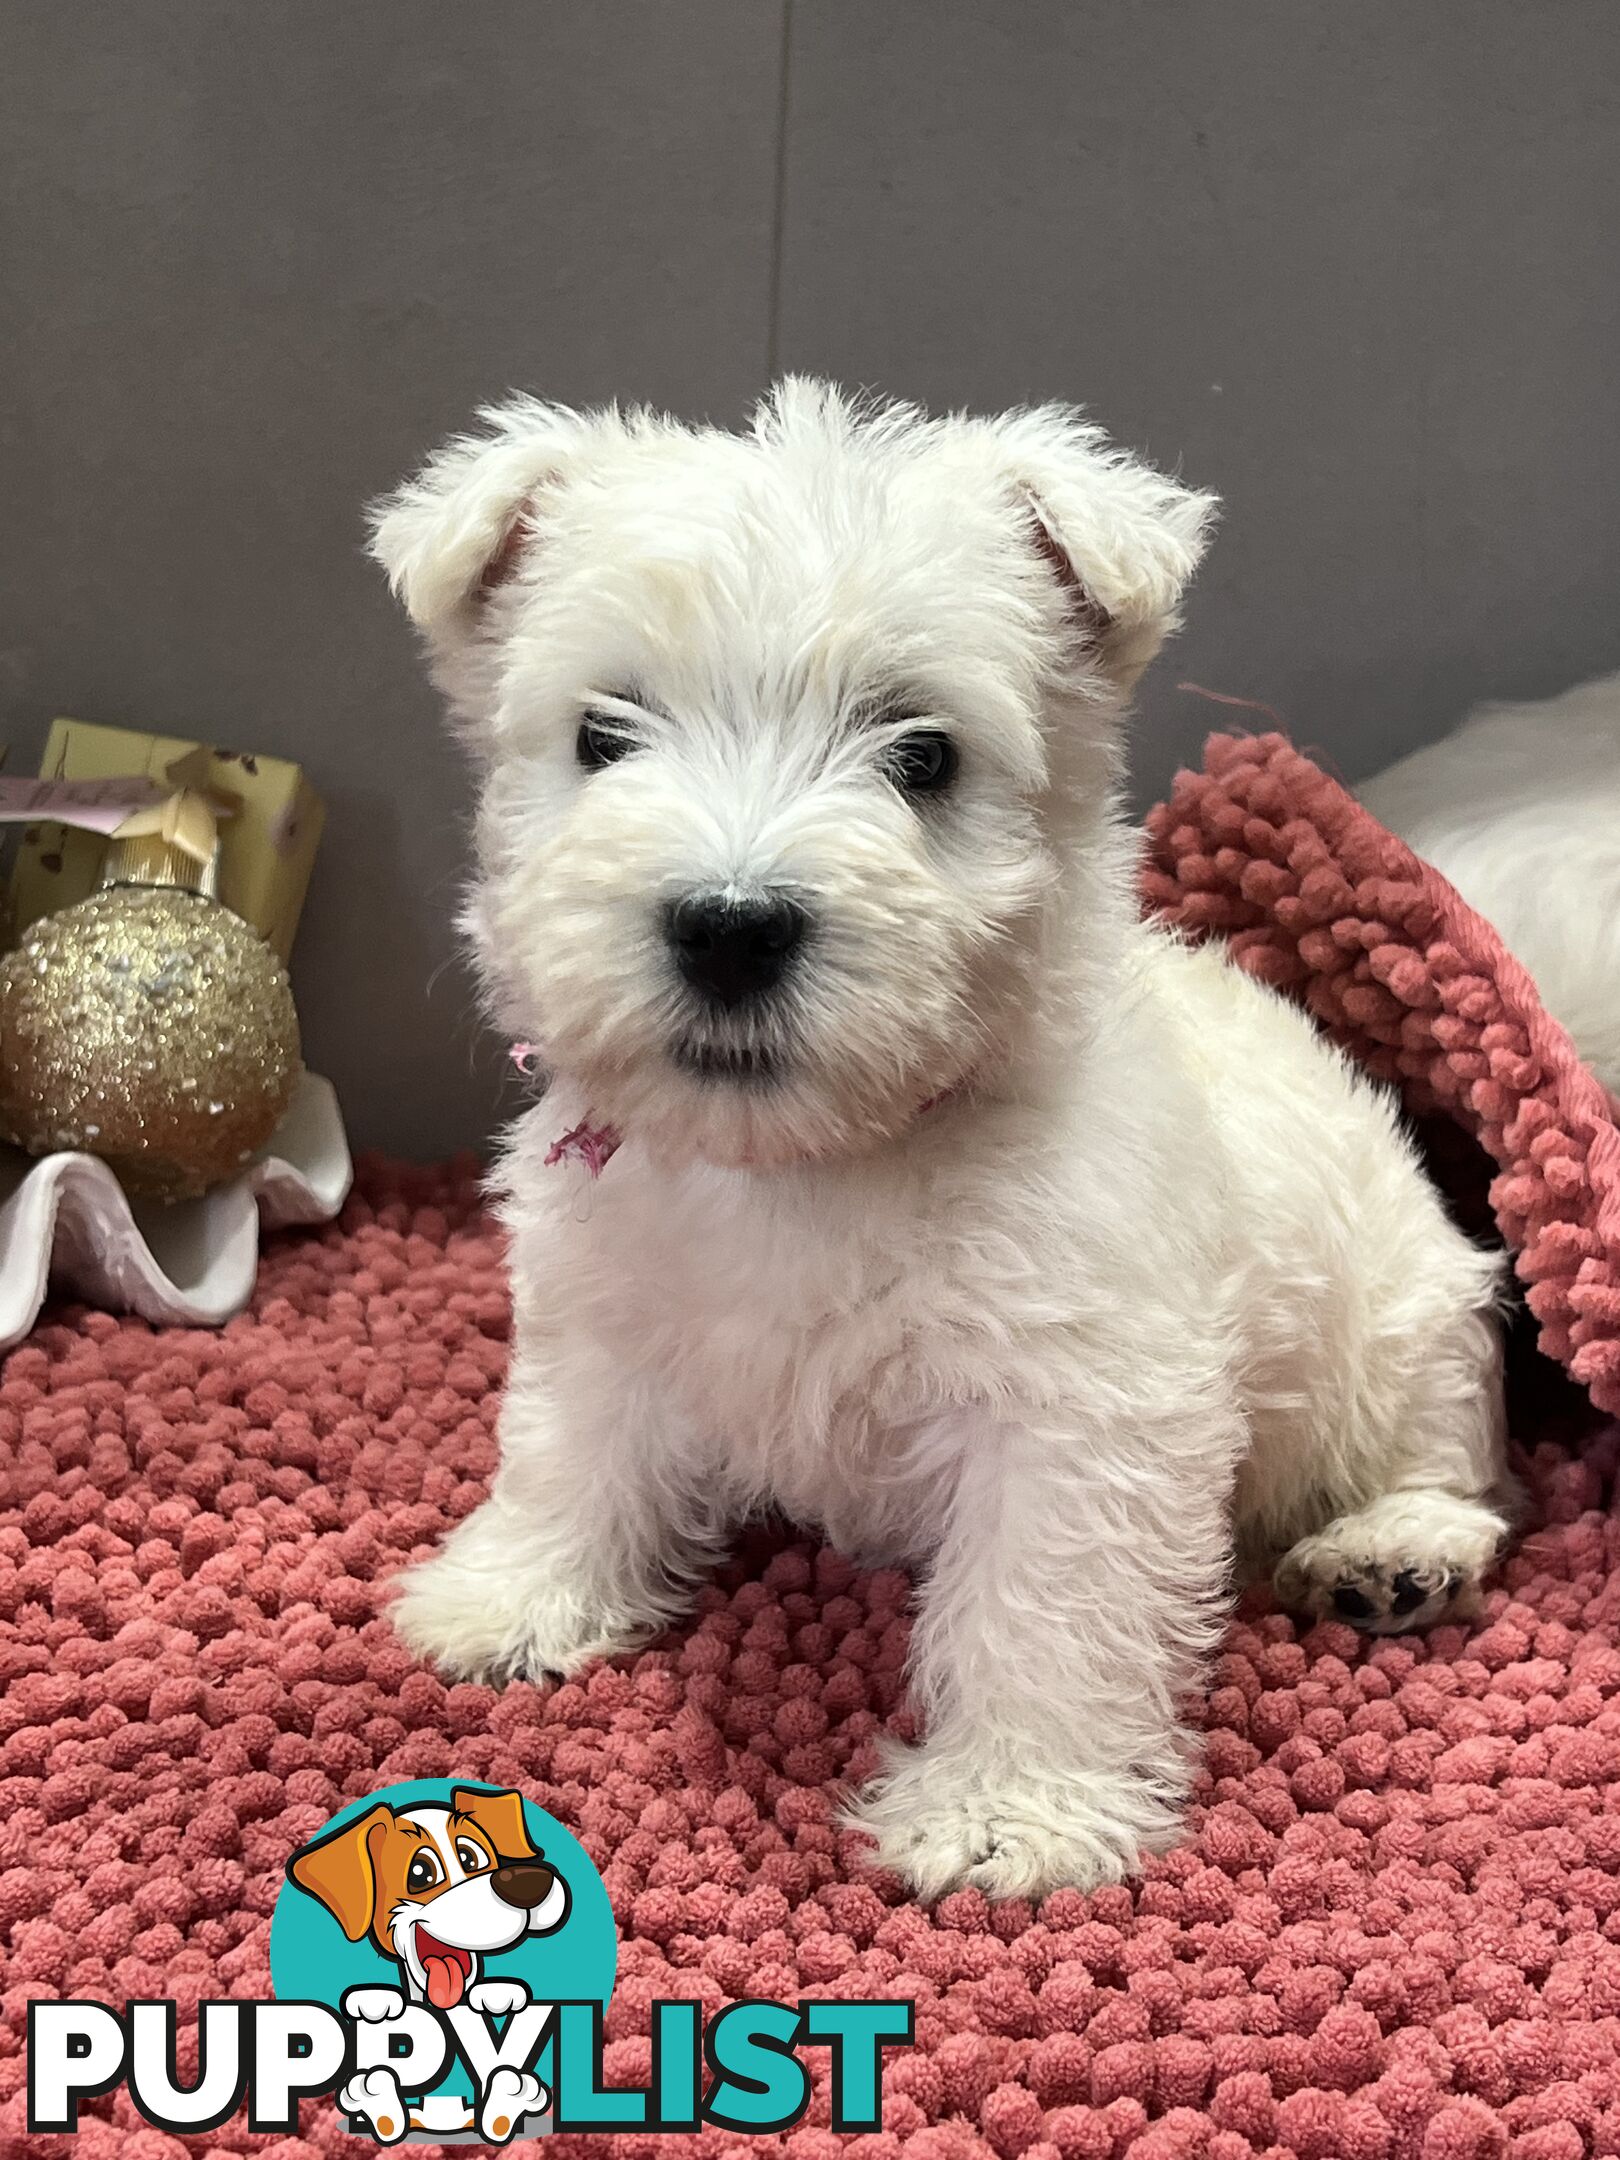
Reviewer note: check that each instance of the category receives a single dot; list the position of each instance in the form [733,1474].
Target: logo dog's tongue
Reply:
[445,1980]
[445,1968]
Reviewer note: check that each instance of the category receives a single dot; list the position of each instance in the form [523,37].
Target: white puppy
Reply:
[956,1212]
[1520,807]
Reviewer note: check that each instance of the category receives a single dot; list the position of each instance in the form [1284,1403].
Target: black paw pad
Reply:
[1352,1604]
[1408,1593]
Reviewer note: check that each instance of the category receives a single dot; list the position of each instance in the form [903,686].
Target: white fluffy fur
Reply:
[1158,1249]
[1520,807]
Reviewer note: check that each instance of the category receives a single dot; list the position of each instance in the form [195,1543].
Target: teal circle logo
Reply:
[442,1918]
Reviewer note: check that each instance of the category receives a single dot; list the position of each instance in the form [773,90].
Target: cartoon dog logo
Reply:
[437,1888]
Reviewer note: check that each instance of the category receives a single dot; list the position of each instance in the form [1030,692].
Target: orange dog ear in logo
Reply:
[341,1871]
[500,1817]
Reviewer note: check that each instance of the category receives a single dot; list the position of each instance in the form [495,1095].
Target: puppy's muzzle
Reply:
[522,1883]
[731,947]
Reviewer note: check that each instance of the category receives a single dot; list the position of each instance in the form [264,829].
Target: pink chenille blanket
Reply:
[1316,897]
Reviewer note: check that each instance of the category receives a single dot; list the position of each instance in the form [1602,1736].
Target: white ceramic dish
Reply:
[65,1221]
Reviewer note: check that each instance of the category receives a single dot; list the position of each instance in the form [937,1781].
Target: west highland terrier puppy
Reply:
[951,1208]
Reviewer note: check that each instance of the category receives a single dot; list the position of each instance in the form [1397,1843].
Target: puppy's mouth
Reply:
[446,1967]
[743,1064]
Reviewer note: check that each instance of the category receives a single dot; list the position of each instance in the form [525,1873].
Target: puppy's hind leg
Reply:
[1402,1557]
[1401,1562]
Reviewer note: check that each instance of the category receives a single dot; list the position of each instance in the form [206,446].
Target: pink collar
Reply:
[593,1145]
[596,1145]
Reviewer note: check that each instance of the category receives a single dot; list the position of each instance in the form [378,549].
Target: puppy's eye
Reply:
[424,1871]
[602,740]
[473,1857]
[923,762]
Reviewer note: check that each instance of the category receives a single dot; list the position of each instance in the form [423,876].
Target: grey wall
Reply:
[1355,266]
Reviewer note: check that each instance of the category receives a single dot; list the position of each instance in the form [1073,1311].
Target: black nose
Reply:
[524,1883]
[733,948]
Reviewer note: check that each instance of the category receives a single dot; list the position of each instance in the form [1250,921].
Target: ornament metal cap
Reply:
[174,844]
[148,859]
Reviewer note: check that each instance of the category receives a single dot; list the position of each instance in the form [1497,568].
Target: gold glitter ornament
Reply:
[148,1025]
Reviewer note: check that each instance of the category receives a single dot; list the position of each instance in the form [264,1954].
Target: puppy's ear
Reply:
[1120,539]
[500,1817]
[340,1871]
[458,531]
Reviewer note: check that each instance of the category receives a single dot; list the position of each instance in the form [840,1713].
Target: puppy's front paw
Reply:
[942,1827]
[475,1627]
[487,1608]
